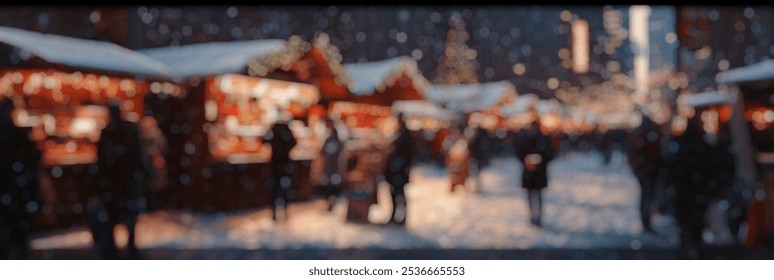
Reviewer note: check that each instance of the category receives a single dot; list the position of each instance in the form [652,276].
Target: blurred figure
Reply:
[334,164]
[644,146]
[282,142]
[478,157]
[19,184]
[605,138]
[457,158]
[535,150]
[399,161]
[121,174]
[702,168]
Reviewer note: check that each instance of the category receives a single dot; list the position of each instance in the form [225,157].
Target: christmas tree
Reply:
[457,64]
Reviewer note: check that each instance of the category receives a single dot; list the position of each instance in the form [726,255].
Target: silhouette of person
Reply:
[282,142]
[19,184]
[703,167]
[334,164]
[398,170]
[478,157]
[535,150]
[120,176]
[644,157]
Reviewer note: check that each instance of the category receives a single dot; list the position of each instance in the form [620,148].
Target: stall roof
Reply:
[215,58]
[332,56]
[84,54]
[760,71]
[519,106]
[705,99]
[470,97]
[423,108]
[369,77]
[548,106]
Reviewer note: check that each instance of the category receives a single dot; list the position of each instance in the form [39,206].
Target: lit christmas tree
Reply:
[457,64]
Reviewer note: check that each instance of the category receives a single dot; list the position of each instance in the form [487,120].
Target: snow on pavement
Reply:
[587,205]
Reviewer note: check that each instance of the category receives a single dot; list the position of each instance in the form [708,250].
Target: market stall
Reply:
[430,124]
[468,98]
[62,87]
[237,89]
[382,82]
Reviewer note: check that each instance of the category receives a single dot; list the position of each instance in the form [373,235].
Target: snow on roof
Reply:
[215,58]
[705,99]
[763,70]
[548,106]
[83,54]
[370,77]
[422,109]
[519,106]
[470,97]
[333,57]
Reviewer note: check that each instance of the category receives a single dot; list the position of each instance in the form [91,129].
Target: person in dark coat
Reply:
[603,142]
[19,184]
[701,167]
[535,150]
[121,174]
[331,179]
[282,142]
[644,146]
[398,169]
[478,156]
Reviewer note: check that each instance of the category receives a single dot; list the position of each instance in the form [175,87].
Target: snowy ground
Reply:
[586,206]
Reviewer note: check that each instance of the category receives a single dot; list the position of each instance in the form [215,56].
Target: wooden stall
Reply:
[62,87]
[236,91]
[382,82]
[479,103]
[369,129]
[431,123]
[373,87]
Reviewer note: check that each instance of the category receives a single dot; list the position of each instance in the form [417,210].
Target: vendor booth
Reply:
[236,91]
[62,87]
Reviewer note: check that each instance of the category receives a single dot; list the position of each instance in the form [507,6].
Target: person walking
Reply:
[398,170]
[478,156]
[535,151]
[644,146]
[331,179]
[121,174]
[282,142]
[701,168]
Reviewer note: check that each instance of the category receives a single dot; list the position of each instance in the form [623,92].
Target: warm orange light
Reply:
[580,46]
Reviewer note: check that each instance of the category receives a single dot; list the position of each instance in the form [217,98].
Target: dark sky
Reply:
[502,35]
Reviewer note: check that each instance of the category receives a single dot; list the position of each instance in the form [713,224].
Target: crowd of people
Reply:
[696,163]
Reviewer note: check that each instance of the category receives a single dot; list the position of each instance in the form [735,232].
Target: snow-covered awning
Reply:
[760,71]
[332,57]
[422,108]
[520,105]
[470,97]
[705,99]
[371,77]
[217,58]
[82,54]
[548,106]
